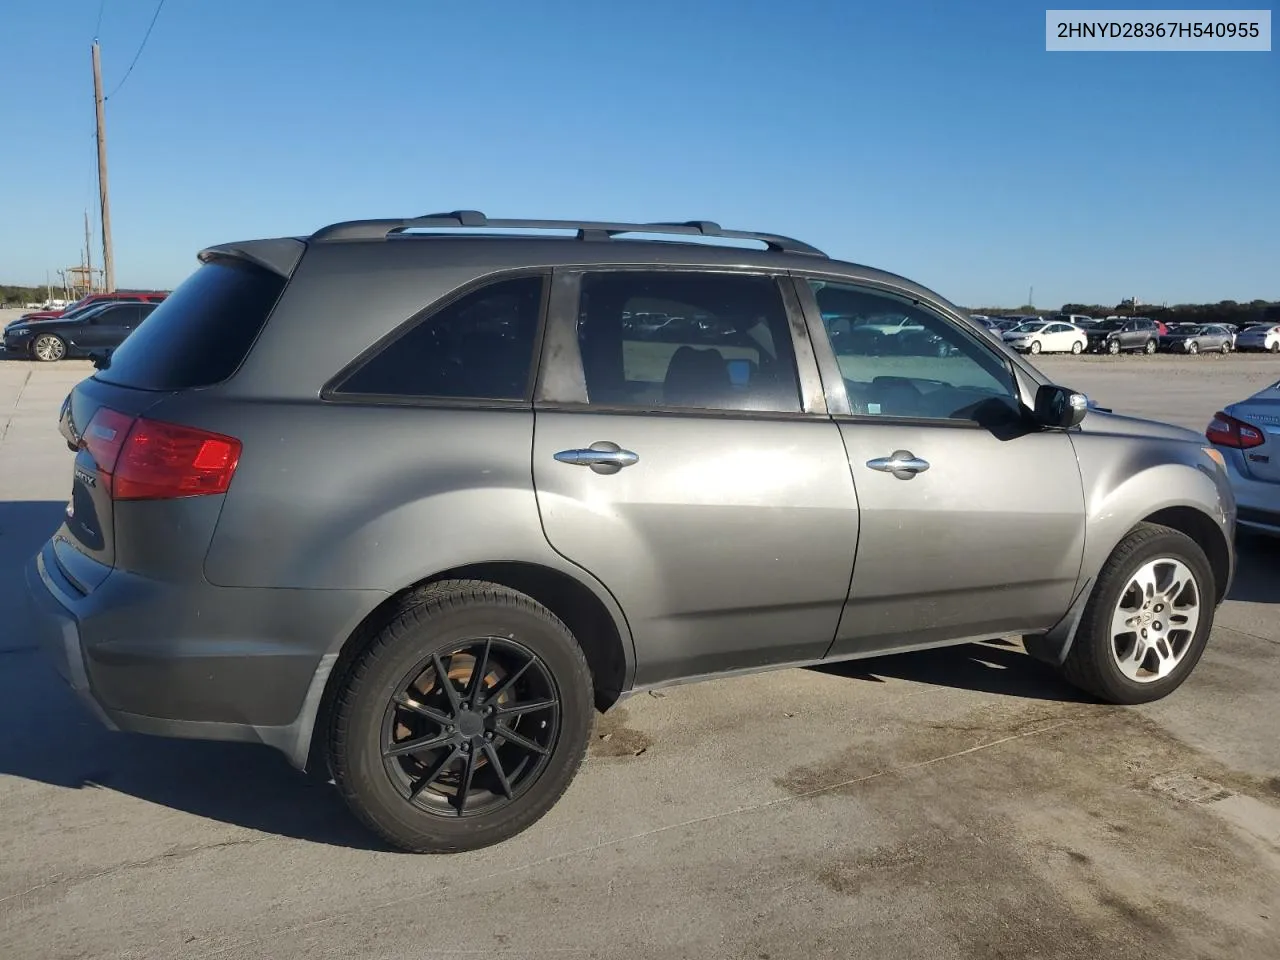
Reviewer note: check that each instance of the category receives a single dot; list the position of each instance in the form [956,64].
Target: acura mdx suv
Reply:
[410,500]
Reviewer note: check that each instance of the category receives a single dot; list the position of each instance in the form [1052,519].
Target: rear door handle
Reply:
[602,456]
[903,464]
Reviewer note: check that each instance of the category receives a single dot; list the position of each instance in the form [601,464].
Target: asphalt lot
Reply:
[953,804]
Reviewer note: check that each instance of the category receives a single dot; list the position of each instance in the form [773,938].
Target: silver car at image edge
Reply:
[411,500]
[1248,434]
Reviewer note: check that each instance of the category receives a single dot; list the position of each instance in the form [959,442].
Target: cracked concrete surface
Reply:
[954,804]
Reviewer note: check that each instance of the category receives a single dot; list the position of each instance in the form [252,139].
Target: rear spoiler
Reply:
[279,255]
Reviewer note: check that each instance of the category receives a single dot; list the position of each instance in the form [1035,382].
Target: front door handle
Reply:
[602,456]
[903,464]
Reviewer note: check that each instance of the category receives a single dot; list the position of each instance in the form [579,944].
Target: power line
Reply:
[141,47]
[98,27]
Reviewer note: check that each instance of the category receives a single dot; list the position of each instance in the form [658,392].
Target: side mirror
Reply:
[1060,407]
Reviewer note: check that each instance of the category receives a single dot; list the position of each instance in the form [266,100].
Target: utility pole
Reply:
[108,258]
[88,254]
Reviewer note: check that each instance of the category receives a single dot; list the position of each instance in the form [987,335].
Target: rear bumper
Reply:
[194,661]
[1257,501]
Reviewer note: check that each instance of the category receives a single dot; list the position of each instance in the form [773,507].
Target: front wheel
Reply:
[1035,347]
[464,721]
[1113,347]
[1148,619]
[1077,347]
[1193,347]
[48,348]
[1150,348]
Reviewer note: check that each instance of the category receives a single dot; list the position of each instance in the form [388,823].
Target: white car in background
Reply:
[1046,336]
[1261,336]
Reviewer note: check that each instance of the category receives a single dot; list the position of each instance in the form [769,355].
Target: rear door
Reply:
[692,468]
[971,523]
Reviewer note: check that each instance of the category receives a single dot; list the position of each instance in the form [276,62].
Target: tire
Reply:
[1035,347]
[1150,348]
[1092,661]
[501,626]
[1113,347]
[1077,348]
[1226,347]
[1274,348]
[1193,347]
[48,348]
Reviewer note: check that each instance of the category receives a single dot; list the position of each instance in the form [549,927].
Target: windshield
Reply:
[1108,324]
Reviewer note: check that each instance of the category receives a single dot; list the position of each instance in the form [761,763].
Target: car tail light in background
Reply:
[141,459]
[1227,431]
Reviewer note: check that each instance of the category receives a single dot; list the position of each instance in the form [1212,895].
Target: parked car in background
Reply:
[1046,336]
[1198,338]
[252,550]
[131,296]
[99,329]
[1118,335]
[1261,336]
[1248,434]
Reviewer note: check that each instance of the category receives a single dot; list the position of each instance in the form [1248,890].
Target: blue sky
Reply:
[936,140]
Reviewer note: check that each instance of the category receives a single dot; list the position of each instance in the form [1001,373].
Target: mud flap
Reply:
[1052,647]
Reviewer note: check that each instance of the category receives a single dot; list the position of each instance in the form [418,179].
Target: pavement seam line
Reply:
[616,841]
[22,388]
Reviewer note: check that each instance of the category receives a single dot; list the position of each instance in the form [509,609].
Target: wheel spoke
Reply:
[520,740]
[434,773]
[446,684]
[435,716]
[491,752]
[417,745]
[476,687]
[520,709]
[508,683]
[1145,581]
[464,788]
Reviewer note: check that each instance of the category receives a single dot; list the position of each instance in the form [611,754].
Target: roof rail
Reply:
[586,229]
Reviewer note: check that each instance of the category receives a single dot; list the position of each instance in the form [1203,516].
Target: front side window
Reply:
[930,369]
[479,347]
[686,340]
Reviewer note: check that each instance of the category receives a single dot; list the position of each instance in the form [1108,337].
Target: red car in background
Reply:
[96,299]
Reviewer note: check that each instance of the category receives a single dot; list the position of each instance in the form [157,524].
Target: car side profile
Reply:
[1199,338]
[1261,337]
[1047,337]
[1117,335]
[98,329]
[411,500]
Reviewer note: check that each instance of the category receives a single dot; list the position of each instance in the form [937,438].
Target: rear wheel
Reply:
[1150,348]
[1077,347]
[464,721]
[1226,346]
[1148,619]
[48,348]
[1275,347]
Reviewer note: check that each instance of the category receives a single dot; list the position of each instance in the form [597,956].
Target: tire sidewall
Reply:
[1107,596]
[372,690]
[48,336]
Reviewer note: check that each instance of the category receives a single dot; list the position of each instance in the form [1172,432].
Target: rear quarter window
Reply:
[201,333]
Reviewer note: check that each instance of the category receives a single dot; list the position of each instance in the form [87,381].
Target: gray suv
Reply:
[410,500]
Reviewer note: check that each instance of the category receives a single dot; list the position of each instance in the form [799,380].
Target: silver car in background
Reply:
[1262,336]
[1248,435]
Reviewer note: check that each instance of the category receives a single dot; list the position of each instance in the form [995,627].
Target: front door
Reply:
[971,521]
[682,455]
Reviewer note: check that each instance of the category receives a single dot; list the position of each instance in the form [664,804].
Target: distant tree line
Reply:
[1225,311]
[17,296]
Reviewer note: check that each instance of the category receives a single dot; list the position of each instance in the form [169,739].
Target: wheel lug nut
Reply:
[489,735]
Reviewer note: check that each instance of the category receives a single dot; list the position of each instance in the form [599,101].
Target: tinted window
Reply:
[709,341]
[930,370]
[477,347]
[201,332]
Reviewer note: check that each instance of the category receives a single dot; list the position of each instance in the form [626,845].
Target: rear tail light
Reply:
[141,459]
[1227,431]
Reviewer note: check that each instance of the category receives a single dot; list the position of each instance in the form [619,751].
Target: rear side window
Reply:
[201,332]
[478,347]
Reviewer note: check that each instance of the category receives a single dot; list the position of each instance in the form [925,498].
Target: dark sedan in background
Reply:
[99,330]
[1210,337]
